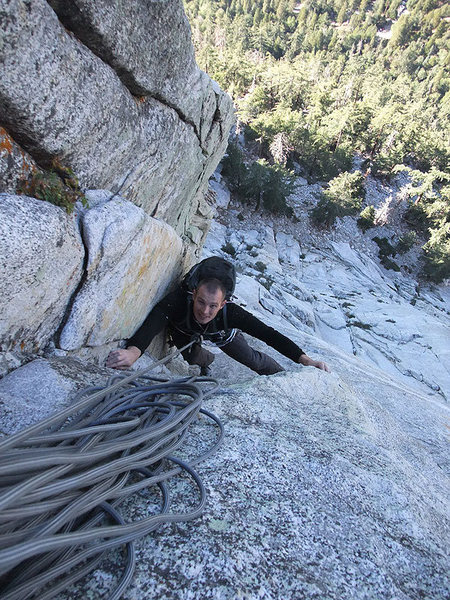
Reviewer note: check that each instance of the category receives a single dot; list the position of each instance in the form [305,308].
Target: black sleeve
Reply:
[156,319]
[242,319]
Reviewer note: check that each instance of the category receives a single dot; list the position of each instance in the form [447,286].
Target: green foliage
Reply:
[404,30]
[314,83]
[389,264]
[343,196]
[269,186]
[233,167]
[325,213]
[261,185]
[429,214]
[385,247]
[260,266]
[366,218]
[228,248]
[416,217]
[59,186]
[319,73]
[436,258]
[265,281]
[406,242]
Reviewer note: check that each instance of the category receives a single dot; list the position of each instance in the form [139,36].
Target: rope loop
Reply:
[63,480]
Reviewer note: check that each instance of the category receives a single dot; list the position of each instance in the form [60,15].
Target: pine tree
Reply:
[342,14]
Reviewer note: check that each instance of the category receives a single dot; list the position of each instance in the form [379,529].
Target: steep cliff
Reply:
[112,93]
[328,485]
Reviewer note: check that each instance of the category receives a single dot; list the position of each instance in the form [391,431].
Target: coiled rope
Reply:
[62,480]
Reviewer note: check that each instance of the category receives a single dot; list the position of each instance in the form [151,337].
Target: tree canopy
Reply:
[317,82]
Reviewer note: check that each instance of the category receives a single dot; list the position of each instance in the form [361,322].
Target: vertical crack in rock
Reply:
[216,120]
[76,291]
[155,210]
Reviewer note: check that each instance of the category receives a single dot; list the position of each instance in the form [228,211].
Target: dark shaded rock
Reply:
[15,163]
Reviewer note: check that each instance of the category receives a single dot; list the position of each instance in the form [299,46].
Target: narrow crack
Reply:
[215,120]
[42,157]
[71,302]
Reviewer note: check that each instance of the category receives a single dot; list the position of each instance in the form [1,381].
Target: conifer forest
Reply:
[318,83]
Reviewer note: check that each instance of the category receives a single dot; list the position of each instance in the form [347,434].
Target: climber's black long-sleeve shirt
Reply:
[175,310]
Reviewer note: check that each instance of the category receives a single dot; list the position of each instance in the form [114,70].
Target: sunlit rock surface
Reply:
[327,486]
[132,261]
[341,297]
[161,65]
[321,490]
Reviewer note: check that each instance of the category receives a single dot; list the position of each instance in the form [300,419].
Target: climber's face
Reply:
[207,304]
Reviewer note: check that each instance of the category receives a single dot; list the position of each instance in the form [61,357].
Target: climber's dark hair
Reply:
[212,285]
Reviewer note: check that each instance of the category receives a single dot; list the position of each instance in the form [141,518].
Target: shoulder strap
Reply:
[224,316]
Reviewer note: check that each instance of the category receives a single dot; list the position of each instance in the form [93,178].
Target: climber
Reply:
[201,308]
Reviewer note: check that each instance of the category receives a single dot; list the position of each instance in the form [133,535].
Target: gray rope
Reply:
[63,479]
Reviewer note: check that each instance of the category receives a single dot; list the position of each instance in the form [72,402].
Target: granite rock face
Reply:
[318,492]
[327,486]
[157,147]
[110,90]
[41,388]
[161,65]
[337,295]
[132,260]
[42,258]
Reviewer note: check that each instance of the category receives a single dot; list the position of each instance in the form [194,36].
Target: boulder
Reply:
[148,45]
[41,388]
[42,258]
[288,249]
[75,107]
[132,260]
[222,193]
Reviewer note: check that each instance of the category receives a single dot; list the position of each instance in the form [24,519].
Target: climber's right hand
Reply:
[123,358]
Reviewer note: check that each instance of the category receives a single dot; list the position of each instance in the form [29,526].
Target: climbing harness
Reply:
[64,479]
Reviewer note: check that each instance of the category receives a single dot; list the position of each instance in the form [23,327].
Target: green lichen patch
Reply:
[59,186]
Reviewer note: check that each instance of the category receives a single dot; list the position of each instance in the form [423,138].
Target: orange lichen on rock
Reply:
[6,141]
[23,163]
